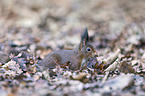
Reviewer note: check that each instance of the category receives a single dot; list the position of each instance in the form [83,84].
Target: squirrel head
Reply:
[85,48]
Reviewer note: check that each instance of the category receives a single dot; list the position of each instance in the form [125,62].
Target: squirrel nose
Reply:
[95,54]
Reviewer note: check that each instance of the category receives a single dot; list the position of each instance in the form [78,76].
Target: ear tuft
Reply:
[85,36]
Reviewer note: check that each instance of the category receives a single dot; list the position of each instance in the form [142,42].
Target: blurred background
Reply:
[30,29]
[46,25]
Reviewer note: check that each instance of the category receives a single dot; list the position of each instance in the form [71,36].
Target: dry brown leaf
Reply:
[126,67]
[79,76]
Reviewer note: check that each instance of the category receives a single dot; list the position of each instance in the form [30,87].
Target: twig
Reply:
[105,77]
[113,57]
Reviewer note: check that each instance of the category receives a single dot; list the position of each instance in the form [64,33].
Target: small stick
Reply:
[113,57]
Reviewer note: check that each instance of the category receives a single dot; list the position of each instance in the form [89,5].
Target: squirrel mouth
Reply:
[95,54]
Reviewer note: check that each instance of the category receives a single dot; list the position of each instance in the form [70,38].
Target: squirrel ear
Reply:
[85,37]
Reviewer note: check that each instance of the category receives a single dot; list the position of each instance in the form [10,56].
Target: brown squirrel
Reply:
[77,58]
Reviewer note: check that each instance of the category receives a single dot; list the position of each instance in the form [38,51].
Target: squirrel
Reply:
[77,58]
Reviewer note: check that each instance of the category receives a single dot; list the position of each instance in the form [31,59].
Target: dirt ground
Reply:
[30,29]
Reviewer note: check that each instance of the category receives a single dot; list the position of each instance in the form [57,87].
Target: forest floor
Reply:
[30,29]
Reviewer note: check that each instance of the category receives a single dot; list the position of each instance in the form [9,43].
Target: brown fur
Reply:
[74,56]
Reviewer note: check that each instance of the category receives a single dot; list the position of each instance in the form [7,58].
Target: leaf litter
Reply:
[29,33]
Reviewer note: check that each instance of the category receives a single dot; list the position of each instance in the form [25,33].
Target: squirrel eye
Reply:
[88,49]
